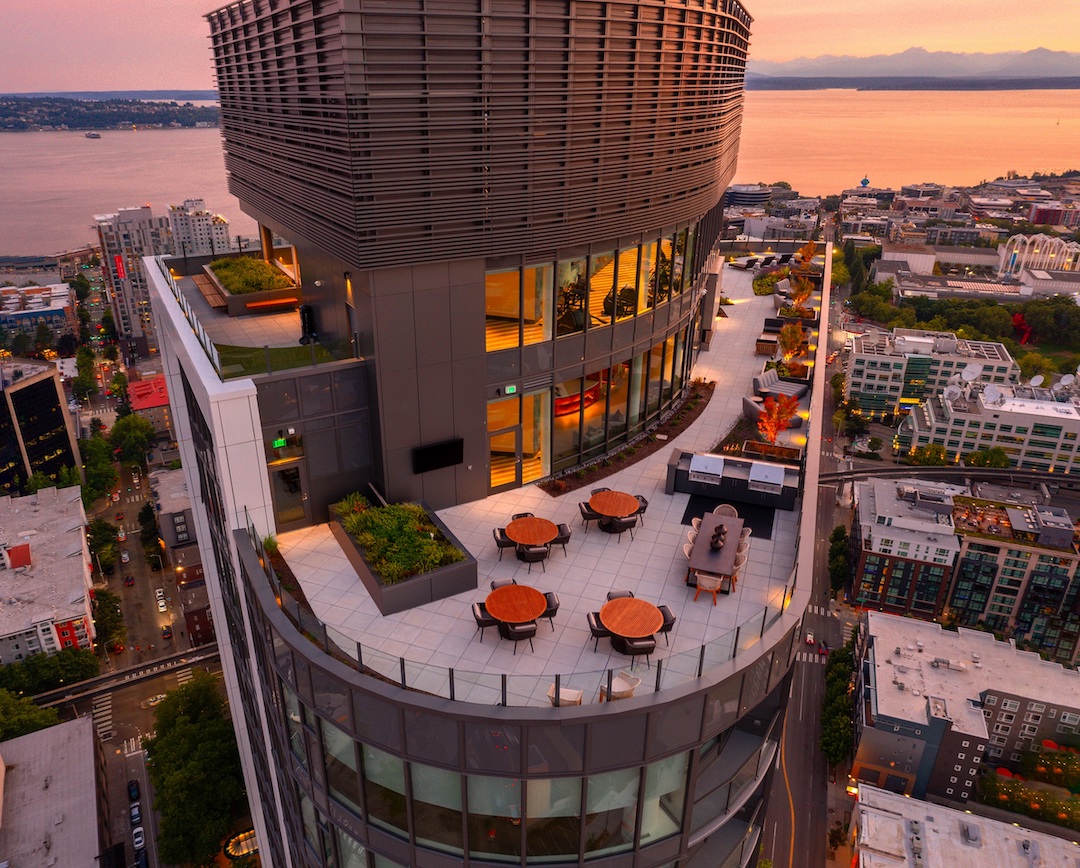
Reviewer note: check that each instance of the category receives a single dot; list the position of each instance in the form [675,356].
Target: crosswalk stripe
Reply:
[102,715]
[183,676]
[810,657]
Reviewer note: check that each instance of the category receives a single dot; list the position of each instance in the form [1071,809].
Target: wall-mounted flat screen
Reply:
[438,455]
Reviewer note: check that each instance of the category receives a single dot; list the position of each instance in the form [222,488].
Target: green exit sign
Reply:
[509,390]
[280,443]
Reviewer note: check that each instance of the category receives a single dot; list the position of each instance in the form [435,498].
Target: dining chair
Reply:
[598,630]
[687,550]
[567,695]
[483,619]
[598,490]
[621,525]
[502,540]
[740,561]
[622,687]
[695,523]
[552,601]
[618,595]
[521,515]
[562,537]
[533,555]
[743,548]
[708,584]
[643,505]
[726,509]
[636,647]
[588,514]
[669,621]
[518,632]
[502,583]
[691,536]
[745,535]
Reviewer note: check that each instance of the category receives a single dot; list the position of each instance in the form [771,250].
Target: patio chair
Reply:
[695,523]
[619,526]
[618,595]
[567,695]
[740,561]
[745,535]
[598,490]
[598,630]
[636,647]
[502,540]
[691,536]
[517,632]
[502,583]
[643,505]
[688,549]
[552,608]
[483,619]
[726,509]
[669,622]
[743,548]
[708,584]
[533,555]
[521,515]
[562,538]
[588,514]
[622,687]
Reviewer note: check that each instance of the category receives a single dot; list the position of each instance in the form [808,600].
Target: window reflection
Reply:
[502,307]
[610,810]
[384,788]
[342,778]
[494,817]
[538,296]
[665,796]
[554,817]
[351,851]
[437,807]
[627,282]
[603,298]
[293,724]
[647,275]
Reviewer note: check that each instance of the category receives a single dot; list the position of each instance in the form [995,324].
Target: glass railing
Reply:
[233,361]
[499,688]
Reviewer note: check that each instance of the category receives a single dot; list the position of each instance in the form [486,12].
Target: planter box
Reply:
[416,590]
[251,303]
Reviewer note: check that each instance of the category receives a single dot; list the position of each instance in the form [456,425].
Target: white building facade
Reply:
[197,231]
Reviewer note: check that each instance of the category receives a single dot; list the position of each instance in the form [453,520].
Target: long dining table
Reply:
[716,562]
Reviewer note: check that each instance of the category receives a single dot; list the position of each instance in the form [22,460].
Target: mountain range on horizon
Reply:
[918,62]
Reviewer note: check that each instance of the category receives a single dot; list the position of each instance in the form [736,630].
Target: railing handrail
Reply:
[490,688]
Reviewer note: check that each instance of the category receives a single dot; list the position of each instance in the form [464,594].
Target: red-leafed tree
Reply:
[776,415]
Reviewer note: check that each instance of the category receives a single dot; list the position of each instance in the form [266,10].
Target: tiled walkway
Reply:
[443,634]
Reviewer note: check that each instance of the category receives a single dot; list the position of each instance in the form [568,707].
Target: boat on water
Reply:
[93,135]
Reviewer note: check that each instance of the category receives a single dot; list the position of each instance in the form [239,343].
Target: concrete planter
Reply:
[416,590]
[252,303]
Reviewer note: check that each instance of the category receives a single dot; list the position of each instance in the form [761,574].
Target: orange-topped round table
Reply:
[614,504]
[517,604]
[631,618]
[532,531]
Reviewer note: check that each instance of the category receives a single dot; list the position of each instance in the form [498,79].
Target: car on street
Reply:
[138,838]
[809,638]
[136,814]
[117,648]
[166,632]
[161,607]
[125,558]
[159,593]
[129,581]
[121,536]
[116,497]
[119,516]
[155,700]
[133,790]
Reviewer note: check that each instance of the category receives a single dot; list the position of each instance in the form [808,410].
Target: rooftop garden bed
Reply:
[244,274]
[404,554]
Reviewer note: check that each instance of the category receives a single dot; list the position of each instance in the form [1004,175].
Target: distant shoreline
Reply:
[755,81]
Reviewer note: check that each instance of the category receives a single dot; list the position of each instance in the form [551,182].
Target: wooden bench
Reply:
[210,291]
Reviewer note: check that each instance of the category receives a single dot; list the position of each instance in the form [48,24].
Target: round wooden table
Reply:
[517,604]
[631,618]
[532,531]
[614,504]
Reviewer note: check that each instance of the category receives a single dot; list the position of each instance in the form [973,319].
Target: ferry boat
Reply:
[93,135]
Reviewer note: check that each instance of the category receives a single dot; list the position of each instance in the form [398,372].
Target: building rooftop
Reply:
[48,797]
[148,394]
[919,662]
[893,827]
[170,491]
[439,635]
[902,342]
[912,505]
[54,585]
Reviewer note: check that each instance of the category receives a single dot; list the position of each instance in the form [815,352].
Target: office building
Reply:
[36,431]
[23,308]
[55,807]
[125,237]
[892,831]
[889,373]
[197,231]
[45,582]
[1037,427]
[505,263]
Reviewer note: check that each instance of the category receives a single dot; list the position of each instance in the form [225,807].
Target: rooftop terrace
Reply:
[440,636]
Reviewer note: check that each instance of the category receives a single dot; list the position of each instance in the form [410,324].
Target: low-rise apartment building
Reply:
[890,373]
[1037,427]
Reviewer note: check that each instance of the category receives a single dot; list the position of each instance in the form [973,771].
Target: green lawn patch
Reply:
[245,274]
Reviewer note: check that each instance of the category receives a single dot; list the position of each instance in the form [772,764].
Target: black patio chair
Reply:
[643,505]
[598,630]
[637,647]
[598,490]
[562,538]
[619,526]
[521,515]
[483,619]
[502,583]
[669,622]
[588,514]
[502,540]
[518,632]
[618,595]
[533,555]
[552,609]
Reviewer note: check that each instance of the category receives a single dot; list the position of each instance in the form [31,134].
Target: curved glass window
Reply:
[502,308]
[350,851]
[553,828]
[665,798]
[610,811]
[495,818]
[342,770]
[536,303]
[602,295]
[294,724]
[384,789]
[436,802]
[570,284]
[680,274]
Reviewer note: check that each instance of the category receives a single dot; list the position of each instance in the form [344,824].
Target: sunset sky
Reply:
[123,45]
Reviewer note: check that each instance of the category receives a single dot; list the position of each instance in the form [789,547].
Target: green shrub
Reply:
[245,274]
[399,540]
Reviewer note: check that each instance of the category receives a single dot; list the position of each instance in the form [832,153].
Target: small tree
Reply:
[21,716]
[791,339]
[108,619]
[993,457]
[876,444]
[131,436]
[931,455]
[776,415]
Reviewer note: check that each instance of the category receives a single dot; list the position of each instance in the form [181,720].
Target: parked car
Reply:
[159,593]
[121,536]
[161,607]
[136,814]
[129,580]
[119,516]
[166,632]
[138,838]
[133,790]
[125,558]
[116,497]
